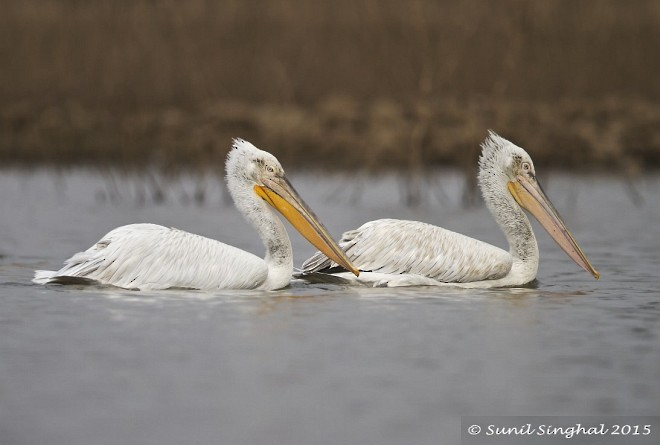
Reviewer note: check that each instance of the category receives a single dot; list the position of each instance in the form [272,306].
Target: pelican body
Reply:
[149,256]
[392,252]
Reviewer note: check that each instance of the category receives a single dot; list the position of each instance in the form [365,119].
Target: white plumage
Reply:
[389,246]
[403,253]
[149,256]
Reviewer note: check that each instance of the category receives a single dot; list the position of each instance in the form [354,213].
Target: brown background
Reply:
[329,84]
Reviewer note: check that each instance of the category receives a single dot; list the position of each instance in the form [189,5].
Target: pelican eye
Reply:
[526,167]
[270,169]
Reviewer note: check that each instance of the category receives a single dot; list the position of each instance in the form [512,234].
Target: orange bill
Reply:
[281,195]
[530,196]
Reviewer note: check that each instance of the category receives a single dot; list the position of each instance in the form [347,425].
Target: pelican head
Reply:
[506,167]
[255,175]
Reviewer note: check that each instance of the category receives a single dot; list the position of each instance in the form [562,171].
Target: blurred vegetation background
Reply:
[340,84]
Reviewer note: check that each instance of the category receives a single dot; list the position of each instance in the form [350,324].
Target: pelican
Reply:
[149,256]
[407,253]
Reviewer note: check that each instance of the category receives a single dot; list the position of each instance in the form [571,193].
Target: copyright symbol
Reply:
[474,430]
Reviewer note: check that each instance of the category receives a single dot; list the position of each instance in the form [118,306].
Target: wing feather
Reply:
[149,256]
[411,247]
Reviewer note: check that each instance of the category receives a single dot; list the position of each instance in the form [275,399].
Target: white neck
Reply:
[517,229]
[271,230]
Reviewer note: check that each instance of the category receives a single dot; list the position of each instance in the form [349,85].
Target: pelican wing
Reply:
[393,246]
[149,256]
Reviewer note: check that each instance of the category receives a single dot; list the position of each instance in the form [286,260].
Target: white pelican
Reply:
[391,252]
[149,256]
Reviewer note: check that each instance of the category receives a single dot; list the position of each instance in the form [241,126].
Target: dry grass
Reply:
[338,83]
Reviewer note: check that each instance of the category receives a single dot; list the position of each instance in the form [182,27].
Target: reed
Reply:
[382,84]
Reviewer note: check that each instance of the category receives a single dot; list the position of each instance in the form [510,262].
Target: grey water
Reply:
[318,364]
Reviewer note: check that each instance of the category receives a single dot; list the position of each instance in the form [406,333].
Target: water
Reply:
[318,364]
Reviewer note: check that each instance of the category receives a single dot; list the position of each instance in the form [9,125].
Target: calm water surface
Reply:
[318,364]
